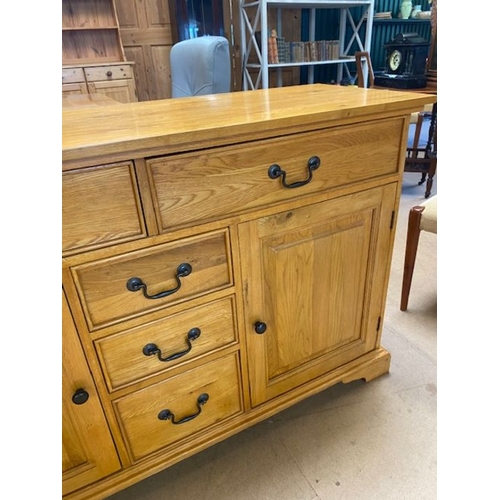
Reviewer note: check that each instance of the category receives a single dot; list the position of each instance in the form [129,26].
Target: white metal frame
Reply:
[250,28]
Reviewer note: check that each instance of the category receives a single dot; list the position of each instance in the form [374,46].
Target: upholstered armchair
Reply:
[200,66]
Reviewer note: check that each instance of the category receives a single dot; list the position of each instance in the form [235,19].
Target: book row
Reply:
[281,51]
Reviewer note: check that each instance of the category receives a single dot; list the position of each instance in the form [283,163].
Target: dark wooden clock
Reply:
[405,62]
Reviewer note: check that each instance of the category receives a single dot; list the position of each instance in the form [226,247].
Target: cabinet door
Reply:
[316,277]
[74,88]
[119,90]
[88,451]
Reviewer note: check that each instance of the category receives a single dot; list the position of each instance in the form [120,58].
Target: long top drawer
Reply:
[204,186]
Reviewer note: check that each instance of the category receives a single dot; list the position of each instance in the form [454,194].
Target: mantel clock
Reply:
[405,62]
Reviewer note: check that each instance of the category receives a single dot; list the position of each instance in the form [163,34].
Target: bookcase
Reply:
[92,52]
[355,33]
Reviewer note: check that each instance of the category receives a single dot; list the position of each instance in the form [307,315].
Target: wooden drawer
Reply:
[195,187]
[132,356]
[107,290]
[139,412]
[73,75]
[100,206]
[99,73]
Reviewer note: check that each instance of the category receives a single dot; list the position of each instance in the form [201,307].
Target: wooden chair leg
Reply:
[430,179]
[416,135]
[412,237]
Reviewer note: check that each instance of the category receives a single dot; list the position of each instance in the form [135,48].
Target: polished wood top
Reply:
[124,131]
[86,100]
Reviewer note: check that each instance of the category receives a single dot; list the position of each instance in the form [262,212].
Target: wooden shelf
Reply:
[399,21]
[90,29]
[90,32]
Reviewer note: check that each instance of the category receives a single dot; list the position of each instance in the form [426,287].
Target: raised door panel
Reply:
[316,277]
[146,38]
[119,90]
[88,451]
[74,88]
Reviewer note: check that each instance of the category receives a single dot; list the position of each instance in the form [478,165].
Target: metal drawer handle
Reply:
[136,284]
[109,73]
[168,415]
[275,171]
[152,349]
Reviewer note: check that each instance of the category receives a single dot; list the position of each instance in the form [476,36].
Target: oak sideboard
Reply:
[223,257]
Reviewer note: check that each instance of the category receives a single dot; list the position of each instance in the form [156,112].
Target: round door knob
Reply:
[109,73]
[260,327]
[80,396]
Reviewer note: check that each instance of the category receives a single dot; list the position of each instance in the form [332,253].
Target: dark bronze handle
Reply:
[260,327]
[80,396]
[136,284]
[168,415]
[152,349]
[275,171]
[109,73]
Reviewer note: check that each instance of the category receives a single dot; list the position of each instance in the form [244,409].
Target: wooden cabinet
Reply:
[225,263]
[88,451]
[315,284]
[113,80]
[92,52]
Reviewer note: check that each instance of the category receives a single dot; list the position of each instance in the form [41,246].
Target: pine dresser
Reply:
[223,257]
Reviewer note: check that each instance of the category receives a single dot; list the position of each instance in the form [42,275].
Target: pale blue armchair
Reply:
[200,66]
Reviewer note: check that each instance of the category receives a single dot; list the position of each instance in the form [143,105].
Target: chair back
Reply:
[200,66]
[362,57]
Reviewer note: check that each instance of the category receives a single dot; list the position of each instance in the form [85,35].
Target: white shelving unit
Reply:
[254,19]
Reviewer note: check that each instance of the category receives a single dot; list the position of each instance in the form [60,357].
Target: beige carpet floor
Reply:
[360,441]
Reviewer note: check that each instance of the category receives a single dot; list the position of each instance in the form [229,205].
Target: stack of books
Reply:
[383,15]
[320,50]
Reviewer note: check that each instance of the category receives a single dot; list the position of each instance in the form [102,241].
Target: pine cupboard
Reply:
[92,53]
[224,257]
[113,80]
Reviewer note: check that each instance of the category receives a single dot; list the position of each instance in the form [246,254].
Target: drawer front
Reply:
[99,73]
[73,75]
[182,397]
[100,206]
[153,348]
[114,289]
[197,187]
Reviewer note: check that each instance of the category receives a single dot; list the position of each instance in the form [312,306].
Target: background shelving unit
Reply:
[90,32]
[93,59]
[354,33]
